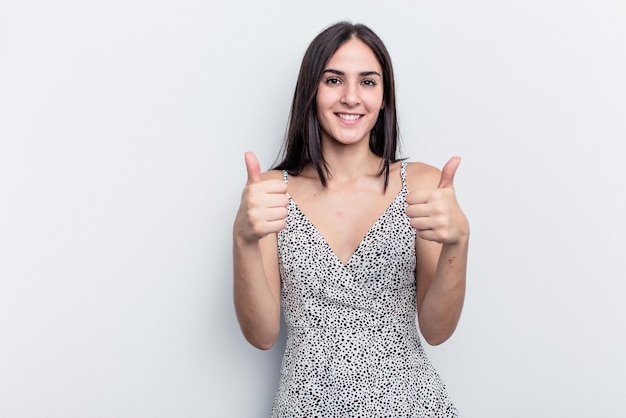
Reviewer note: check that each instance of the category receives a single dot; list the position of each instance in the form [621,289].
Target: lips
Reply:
[348,117]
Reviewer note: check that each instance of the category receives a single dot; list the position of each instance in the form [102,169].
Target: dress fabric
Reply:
[353,349]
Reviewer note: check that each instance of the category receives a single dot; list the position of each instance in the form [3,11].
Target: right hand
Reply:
[263,208]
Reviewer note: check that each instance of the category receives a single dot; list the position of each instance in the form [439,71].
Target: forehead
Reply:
[354,54]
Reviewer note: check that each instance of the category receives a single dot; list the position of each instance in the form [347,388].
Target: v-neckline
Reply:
[361,243]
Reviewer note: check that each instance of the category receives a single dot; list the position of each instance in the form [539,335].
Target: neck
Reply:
[351,163]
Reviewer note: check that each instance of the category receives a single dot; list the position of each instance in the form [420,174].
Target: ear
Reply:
[382,105]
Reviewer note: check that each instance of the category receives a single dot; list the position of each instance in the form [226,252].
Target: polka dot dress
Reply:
[353,349]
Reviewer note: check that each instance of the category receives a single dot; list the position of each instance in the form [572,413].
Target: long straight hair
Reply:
[303,141]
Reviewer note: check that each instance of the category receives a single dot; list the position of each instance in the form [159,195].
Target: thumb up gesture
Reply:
[435,213]
[263,207]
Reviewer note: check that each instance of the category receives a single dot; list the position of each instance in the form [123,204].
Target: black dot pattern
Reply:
[353,349]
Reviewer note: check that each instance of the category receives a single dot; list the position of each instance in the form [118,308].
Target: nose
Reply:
[350,95]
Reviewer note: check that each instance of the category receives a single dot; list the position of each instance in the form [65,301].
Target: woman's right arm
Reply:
[256,278]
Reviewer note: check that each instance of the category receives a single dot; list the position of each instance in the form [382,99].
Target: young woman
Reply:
[352,242]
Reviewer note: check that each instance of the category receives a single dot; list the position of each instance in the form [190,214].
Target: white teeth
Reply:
[349,117]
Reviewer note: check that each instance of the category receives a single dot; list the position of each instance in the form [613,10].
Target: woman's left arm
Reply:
[441,247]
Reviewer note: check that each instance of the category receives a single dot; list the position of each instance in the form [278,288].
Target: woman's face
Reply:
[350,94]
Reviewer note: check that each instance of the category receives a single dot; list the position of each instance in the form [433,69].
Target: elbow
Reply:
[260,334]
[262,345]
[436,335]
[262,342]
[435,340]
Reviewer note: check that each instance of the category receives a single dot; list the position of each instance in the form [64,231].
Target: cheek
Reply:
[323,98]
[377,101]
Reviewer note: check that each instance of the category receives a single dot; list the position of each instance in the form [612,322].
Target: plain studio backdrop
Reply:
[122,131]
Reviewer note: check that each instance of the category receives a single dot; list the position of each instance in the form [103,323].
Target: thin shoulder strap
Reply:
[286,176]
[403,173]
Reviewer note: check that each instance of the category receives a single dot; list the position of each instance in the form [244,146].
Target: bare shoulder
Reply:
[422,176]
[272,175]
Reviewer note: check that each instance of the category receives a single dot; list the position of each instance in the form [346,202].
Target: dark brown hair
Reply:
[303,143]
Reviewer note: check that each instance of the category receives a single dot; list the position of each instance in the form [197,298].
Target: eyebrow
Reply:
[362,74]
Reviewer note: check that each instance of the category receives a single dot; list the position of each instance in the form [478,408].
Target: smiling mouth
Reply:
[347,117]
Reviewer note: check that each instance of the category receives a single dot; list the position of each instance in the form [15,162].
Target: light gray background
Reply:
[122,131]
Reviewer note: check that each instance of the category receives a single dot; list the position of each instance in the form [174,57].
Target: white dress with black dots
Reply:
[353,349]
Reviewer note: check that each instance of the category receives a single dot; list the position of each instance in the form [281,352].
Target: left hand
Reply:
[435,214]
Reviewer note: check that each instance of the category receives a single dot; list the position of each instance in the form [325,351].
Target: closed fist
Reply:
[435,213]
[263,207]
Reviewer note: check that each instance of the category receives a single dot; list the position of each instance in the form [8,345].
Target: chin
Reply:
[351,139]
